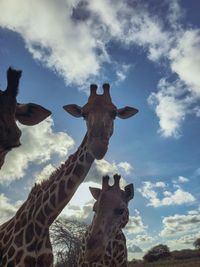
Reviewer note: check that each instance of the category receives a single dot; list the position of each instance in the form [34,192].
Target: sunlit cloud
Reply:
[180,224]
[76,47]
[7,209]
[39,144]
[149,191]
[135,224]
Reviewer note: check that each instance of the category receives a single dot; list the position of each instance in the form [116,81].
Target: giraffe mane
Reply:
[37,187]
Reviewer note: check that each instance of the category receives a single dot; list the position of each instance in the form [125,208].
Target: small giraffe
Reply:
[104,244]
[10,111]
[24,240]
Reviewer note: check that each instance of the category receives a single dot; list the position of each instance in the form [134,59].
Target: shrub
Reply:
[66,238]
[197,243]
[156,253]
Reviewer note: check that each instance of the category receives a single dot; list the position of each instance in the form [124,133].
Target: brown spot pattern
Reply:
[41,217]
[18,256]
[11,252]
[70,184]
[78,170]
[45,260]
[46,196]
[61,193]
[19,238]
[69,169]
[29,233]
[30,261]
[88,157]
[47,210]
[38,229]
[53,200]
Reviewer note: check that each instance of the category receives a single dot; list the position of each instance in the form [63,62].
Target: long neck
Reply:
[115,253]
[54,194]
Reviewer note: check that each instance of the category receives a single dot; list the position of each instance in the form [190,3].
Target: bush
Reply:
[197,243]
[156,253]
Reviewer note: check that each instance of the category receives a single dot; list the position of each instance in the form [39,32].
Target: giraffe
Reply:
[24,240]
[104,244]
[10,111]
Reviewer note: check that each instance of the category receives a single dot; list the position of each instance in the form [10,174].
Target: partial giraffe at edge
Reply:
[24,240]
[11,111]
[104,244]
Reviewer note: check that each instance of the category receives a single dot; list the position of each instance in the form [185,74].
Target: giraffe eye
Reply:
[118,211]
[114,113]
[84,115]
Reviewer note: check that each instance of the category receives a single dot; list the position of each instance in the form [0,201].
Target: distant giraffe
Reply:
[24,240]
[10,111]
[104,244]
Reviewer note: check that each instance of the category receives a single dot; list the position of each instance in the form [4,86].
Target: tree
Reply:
[196,243]
[156,253]
[66,238]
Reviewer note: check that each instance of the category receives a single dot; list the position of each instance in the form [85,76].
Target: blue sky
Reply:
[149,52]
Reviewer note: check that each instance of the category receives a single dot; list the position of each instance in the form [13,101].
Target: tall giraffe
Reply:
[24,240]
[10,111]
[104,244]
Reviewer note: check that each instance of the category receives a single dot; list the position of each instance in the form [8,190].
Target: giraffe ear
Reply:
[129,191]
[74,110]
[126,112]
[95,192]
[31,114]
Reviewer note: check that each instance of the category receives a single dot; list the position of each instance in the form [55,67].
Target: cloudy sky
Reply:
[149,52]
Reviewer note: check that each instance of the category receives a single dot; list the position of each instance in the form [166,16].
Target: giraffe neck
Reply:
[115,253]
[53,194]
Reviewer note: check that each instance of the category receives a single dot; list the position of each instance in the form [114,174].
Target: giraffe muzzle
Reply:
[99,148]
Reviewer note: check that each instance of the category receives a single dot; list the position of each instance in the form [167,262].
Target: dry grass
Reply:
[183,258]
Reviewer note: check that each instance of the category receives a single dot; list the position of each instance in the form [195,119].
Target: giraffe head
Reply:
[111,215]
[10,111]
[99,113]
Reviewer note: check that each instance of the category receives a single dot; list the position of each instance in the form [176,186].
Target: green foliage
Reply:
[156,253]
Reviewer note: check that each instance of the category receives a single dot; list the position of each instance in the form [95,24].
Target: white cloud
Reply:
[54,38]
[7,209]
[189,239]
[135,224]
[183,179]
[177,99]
[76,46]
[185,59]
[125,166]
[104,167]
[137,243]
[39,144]
[175,13]
[44,173]
[132,248]
[170,106]
[197,111]
[122,71]
[180,224]
[80,206]
[178,197]
[143,238]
